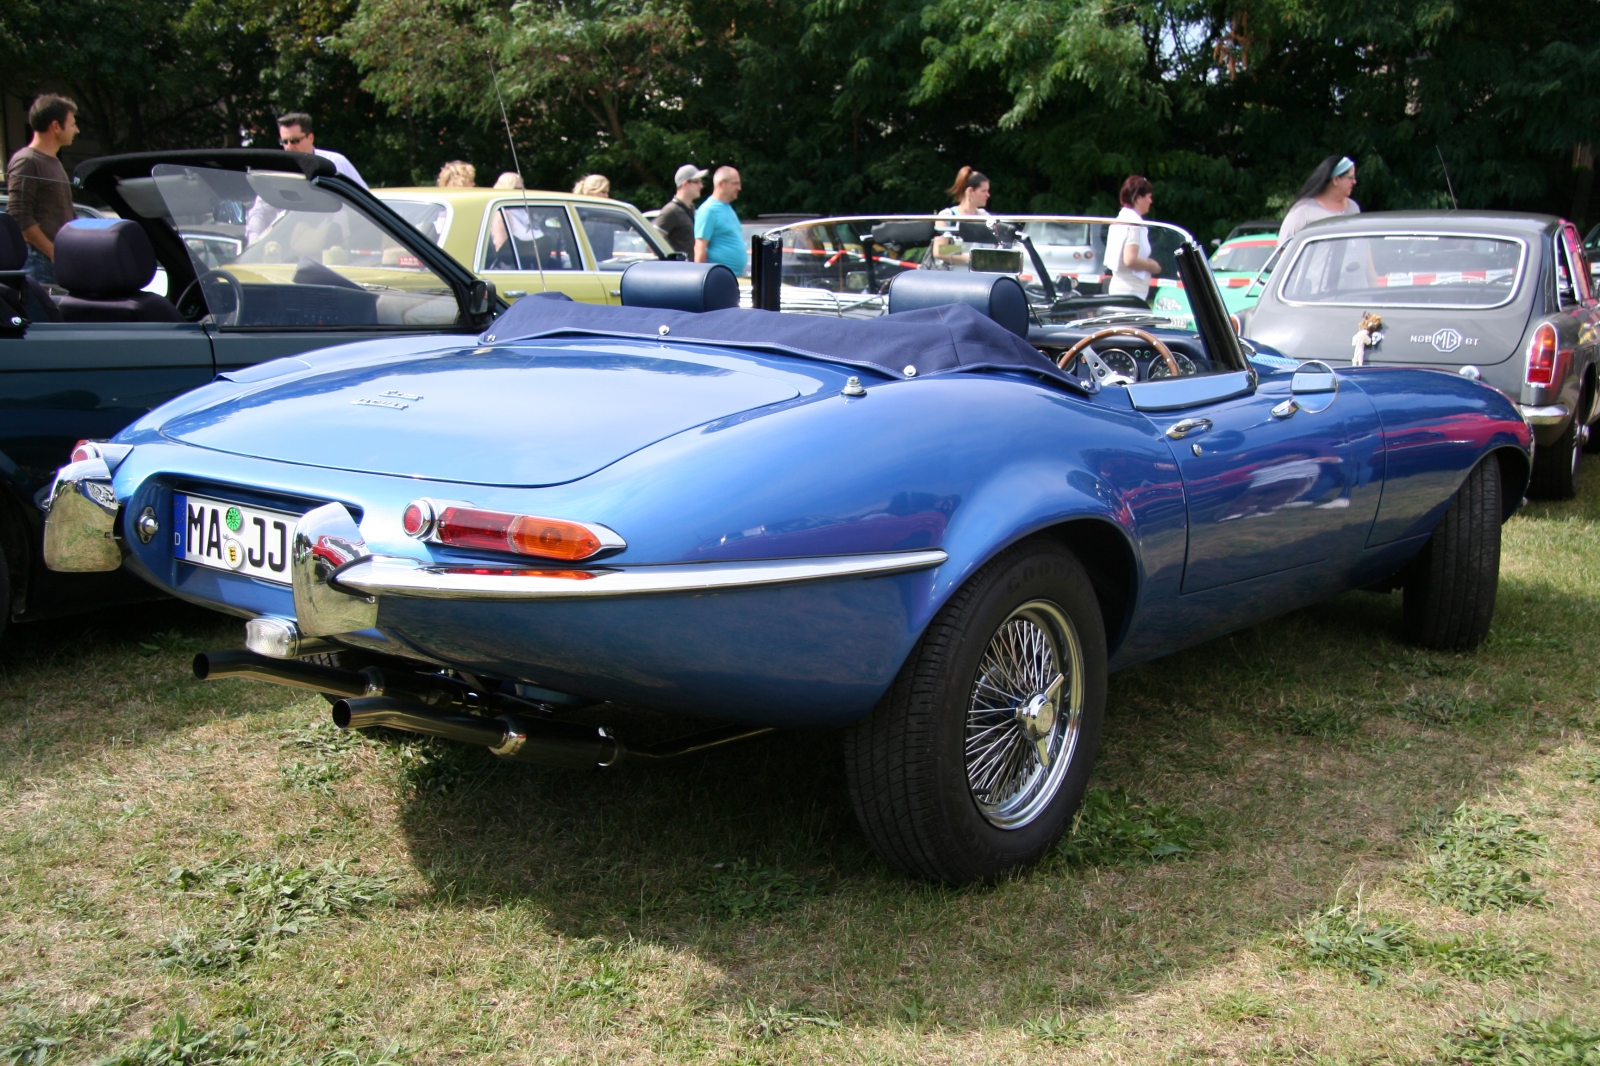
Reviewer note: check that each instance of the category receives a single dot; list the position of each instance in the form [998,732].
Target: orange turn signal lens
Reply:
[548,538]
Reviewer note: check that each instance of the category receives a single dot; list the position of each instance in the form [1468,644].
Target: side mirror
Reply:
[480,298]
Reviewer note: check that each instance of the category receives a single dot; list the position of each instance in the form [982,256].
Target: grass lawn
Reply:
[1305,843]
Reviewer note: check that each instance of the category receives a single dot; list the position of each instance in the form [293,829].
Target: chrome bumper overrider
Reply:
[384,576]
[80,528]
[1544,416]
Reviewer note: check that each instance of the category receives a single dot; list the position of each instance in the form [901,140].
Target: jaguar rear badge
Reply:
[393,405]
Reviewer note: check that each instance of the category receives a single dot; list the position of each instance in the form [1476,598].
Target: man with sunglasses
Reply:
[295,135]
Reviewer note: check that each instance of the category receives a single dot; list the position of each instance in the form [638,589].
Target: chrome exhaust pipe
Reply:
[518,739]
[215,665]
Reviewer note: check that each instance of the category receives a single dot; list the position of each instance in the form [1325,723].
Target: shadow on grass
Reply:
[1230,733]
[120,676]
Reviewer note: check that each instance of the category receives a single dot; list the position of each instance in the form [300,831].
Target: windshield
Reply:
[1246,257]
[845,266]
[1406,270]
[430,219]
[274,249]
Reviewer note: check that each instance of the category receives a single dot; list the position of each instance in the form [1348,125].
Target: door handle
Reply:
[1180,430]
[1285,409]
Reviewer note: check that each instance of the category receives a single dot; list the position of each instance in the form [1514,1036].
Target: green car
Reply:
[1235,264]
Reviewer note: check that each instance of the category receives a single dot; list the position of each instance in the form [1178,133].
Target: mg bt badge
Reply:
[1445,340]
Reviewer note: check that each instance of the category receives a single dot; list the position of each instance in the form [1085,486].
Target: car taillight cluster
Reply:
[1543,356]
[461,526]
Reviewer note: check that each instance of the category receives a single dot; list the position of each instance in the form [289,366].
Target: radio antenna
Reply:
[1453,205]
[527,212]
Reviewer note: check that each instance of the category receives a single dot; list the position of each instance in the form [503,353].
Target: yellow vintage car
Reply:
[534,242]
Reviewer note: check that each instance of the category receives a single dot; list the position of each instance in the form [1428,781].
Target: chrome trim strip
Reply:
[1544,416]
[408,578]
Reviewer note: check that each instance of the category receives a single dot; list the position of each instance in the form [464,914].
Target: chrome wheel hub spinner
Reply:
[1024,715]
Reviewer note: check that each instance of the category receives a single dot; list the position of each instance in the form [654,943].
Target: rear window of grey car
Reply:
[1406,270]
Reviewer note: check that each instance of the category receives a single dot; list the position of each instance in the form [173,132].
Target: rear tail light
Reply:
[461,526]
[1542,356]
[85,449]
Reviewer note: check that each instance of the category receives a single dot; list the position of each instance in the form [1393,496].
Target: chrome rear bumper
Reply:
[1544,416]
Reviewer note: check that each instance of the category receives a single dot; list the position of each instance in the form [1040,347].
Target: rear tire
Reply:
[1450,588]
[1555,468]
[946,773]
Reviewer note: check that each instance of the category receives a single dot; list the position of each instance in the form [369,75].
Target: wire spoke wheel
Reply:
[1024,714]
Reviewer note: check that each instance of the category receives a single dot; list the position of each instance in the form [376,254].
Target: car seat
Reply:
[104,264]
[20,295]
[674,286]
[999,296]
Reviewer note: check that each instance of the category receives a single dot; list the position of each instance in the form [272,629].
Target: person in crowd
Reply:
[39,196]
[1326,193]
[457,175]
[718,237]
[593,185]
[295,135]
[676,219]
[1128,242]
[509,179]
[970,191]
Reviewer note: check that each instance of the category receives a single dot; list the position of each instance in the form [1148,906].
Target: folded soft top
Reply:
[933,340]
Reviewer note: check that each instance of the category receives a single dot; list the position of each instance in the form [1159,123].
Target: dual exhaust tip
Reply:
[440,706]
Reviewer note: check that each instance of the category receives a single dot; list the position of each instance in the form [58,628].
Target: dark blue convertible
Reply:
[938,528]
[176,291]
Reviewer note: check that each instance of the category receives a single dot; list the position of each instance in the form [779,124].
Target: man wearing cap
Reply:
[676,220]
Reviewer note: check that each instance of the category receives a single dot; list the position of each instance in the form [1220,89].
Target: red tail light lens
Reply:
[548,538]
[85,449]
[1542,356]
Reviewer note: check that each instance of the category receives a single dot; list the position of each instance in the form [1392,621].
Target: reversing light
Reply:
[1542,356]
[461,526]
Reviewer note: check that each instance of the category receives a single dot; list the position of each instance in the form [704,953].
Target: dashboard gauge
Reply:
[1120,361]
[1159,369]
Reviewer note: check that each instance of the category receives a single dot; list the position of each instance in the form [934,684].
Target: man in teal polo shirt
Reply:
[718,238]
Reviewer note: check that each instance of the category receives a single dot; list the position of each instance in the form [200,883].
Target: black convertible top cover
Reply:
[933,340]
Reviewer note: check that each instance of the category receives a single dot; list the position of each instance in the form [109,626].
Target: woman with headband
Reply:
[970,193]
[1326,193]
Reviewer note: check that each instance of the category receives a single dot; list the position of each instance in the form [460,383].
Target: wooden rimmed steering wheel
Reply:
[1070,356]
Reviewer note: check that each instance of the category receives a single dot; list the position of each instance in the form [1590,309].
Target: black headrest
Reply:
[13,250]
[997,295]
[103,257]
[676,286]
[903,234]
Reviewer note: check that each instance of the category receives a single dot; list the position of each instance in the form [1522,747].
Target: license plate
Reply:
[232,537]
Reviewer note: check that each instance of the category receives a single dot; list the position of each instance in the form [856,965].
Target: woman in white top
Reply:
[970,192]
[1128,242]
[1326,193]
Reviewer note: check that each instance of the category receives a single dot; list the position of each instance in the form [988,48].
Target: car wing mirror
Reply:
[480,298]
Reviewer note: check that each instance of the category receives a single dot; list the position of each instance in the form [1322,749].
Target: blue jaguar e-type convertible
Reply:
[938,527]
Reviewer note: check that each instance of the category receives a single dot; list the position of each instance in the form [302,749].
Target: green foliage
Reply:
[1055,1029]
[1483,960]
[1588,769]
[1488,1041]
[1112,828]
[265,901]
[1323,721]
[29,1037]
[324,749]
[742,890]
[608,982]
[176,1042]
[1475,861]
[765,1023]
[1242,1006]
[1347,940]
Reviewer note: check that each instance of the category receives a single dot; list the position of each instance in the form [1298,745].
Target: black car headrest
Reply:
[903,234]
[98,257]
[675,286]
[13,250]
[997,295]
